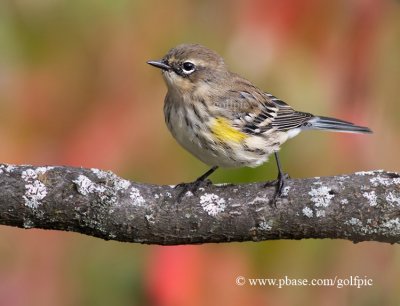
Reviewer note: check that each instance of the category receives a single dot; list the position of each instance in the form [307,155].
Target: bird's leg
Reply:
[281,176]
[207,174]
[194,185]
[280,181]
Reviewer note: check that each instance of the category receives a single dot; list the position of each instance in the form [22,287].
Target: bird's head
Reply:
[188,66]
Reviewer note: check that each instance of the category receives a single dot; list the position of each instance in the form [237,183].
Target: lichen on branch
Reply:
[363,206]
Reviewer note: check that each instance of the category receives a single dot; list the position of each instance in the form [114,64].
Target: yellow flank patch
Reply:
[225,132]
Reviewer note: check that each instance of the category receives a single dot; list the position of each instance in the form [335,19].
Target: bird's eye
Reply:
[188,67]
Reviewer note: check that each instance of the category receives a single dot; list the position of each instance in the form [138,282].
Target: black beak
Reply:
[159,64]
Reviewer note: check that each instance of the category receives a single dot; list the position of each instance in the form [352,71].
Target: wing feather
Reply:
[256,112]
[276,114]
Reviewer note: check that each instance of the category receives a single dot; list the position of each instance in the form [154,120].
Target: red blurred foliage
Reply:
[188,275]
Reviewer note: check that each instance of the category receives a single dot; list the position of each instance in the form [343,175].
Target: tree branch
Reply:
[358,207]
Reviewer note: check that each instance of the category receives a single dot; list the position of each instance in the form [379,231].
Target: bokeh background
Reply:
[75,90]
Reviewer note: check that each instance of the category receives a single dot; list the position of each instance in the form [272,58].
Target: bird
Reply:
[224,120]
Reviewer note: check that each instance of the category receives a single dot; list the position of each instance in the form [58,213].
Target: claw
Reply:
[193,187]
[280,185]
[279,182]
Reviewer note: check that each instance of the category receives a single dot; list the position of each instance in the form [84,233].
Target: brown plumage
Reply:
[222,118]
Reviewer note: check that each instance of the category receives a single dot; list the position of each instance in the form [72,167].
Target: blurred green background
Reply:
[75,89]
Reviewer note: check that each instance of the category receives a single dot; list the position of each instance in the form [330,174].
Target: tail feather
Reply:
[335,125]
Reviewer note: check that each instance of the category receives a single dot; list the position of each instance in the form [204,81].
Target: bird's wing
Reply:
[286,117]
[257,112]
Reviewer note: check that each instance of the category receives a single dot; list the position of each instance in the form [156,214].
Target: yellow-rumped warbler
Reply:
[223,119]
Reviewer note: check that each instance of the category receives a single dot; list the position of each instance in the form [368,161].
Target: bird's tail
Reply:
[335,125]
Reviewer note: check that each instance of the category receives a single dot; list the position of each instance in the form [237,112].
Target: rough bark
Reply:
[358,207]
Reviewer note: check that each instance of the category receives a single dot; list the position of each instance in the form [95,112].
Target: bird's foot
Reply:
[280,185]
[192,187]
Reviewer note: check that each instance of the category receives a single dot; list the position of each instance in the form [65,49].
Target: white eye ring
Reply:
[188,67]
